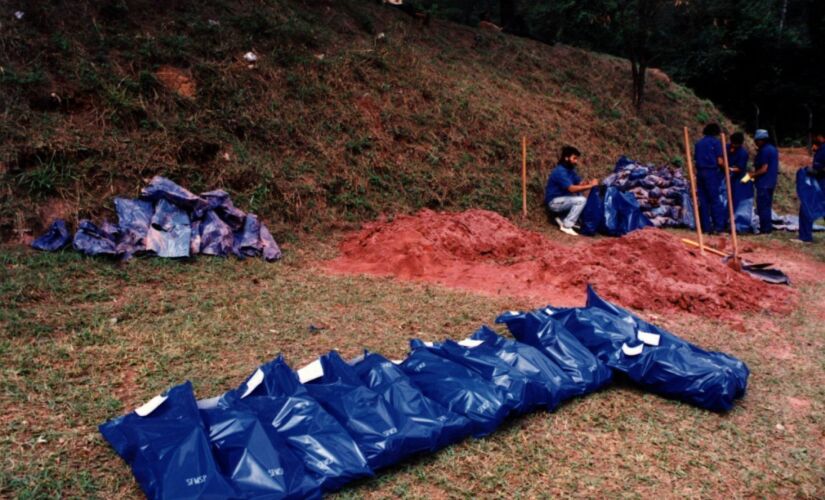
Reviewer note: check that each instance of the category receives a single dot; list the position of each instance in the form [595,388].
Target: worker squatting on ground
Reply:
[707,154]
[765,174]
[816,170]
[565,192]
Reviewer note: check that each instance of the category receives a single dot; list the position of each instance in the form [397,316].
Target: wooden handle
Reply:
[709,249]
[524,176]
[693,193]
[730,198]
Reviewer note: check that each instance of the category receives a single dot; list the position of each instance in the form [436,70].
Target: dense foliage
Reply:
[757,59]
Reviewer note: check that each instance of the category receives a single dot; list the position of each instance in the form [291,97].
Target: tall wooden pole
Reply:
[730,200]
[693,193]
[524,176]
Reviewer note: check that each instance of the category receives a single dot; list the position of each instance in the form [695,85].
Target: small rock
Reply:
[780,427]
[250,57]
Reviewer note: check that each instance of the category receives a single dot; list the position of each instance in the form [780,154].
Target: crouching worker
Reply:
[565,194]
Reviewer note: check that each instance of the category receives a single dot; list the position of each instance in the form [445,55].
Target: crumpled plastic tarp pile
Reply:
[287,434]
[663,192]
[167,220]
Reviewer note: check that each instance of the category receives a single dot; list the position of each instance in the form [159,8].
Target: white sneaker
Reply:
[568,230]
[801,242]
[559,222]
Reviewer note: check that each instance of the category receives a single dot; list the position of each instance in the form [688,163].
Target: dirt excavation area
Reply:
[481,251]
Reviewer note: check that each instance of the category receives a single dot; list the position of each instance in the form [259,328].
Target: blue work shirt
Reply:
[738,159]
[559,182]
[706,152]
[767,154]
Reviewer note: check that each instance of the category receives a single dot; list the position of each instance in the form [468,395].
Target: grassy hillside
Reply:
[334,123]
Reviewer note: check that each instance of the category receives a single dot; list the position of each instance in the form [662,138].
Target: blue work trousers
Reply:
[764,207]
[711,209]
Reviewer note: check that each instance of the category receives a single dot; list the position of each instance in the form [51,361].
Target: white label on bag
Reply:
[150,406]
[311,372]
[648,338]
[428,344]
[632,351]
[397,361]
[471,343]
[208,404]
[548,311]
[253,382]
[513,313]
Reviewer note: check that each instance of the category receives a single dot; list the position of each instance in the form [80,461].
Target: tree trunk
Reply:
[638,70]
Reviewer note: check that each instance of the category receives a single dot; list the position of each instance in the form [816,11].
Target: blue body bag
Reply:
[653,358]
[531,362]
[276,396]
[254,458]
[168,449]
[384,436]
[538,329]
[456,387]
[387,379]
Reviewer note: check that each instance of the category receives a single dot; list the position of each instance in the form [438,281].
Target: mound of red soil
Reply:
[482,251]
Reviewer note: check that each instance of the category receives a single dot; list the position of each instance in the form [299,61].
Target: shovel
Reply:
[734,263]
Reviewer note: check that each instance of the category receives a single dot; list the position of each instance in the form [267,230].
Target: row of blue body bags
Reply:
[650,357]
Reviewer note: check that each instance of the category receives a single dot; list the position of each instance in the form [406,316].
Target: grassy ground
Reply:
[84,340]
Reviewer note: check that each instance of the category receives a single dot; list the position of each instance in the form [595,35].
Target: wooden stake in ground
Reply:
[524,176]
[692,177]
[735,262]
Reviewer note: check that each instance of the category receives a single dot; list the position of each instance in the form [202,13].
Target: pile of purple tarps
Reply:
[288,434]
[169,221]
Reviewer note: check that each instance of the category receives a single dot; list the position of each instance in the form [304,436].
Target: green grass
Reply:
[84,340]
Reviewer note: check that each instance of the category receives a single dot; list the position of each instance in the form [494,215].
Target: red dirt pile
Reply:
[482,251]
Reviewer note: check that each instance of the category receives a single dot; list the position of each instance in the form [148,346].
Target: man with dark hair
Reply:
[742,192]
[765,174]
[817,171]
[708,157]
[564,192]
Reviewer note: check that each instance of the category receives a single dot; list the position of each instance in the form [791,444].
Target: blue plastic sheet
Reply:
[168,449]
[622,214]
[169,233]
[443,426]
[531,362]
[254,240]
[92,240]
[743,195]
[254,458]
[55,238]
[456,387]
[592,217]
[220,202]
[215,236]
[382,433]
[537,328]
[275,394]
[809,189]
[653,358]
[161,188]
[134,218]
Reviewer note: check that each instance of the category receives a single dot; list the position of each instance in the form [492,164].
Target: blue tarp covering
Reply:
[56,238]
[276,437]
[170,221]
[809,189]
[612,213]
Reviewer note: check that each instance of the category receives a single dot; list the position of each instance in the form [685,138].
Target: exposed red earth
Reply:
[483,252]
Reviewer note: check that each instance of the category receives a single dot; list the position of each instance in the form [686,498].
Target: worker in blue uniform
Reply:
[765,174]
[708,157]
[817,172]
